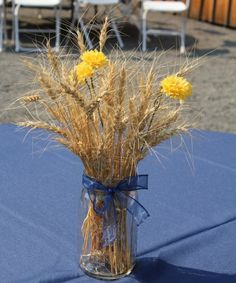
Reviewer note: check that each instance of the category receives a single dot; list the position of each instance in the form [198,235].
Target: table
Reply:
[190,236]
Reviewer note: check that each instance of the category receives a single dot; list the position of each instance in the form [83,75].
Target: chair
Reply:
[2,23]
[54,4]
[108,4]
[178,7]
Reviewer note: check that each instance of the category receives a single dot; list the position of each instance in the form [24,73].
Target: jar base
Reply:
[99,272]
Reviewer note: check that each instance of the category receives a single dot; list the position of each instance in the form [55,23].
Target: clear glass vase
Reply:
[115,259]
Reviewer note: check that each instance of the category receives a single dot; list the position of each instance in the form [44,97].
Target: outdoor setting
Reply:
[118,141]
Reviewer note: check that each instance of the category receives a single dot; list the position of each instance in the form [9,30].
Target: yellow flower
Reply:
[176,87]
[94,58]
[83,71]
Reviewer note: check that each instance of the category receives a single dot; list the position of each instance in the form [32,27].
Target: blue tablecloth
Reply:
[190,236]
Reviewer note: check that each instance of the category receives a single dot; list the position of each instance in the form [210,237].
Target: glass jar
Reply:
[109,239]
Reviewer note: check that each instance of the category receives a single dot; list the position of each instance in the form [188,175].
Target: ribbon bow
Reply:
[118,193]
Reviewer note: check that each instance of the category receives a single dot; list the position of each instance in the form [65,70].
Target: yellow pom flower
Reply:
[176,87]
[83,71]
[94,58]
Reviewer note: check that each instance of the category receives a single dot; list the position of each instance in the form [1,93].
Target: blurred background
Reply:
[184,30]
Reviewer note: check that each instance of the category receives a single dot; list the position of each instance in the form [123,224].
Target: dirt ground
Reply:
[214,97]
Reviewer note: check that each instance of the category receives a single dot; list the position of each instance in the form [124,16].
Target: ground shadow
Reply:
[154,270]
[132,40]
[130,35]
[230,43]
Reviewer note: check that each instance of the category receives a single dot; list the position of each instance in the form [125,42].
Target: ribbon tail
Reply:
[109,224]
[138,182]
[134,207]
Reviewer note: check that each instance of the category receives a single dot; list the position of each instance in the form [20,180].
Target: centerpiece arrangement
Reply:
[110,115]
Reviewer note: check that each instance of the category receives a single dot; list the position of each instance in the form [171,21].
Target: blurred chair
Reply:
[54,4]
[178,7]
[109,5]
[2,24]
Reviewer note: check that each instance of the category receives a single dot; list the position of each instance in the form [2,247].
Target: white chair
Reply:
[78,15]
[54,4]
[166,7]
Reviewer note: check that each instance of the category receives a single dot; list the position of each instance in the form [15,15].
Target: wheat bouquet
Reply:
[110,115]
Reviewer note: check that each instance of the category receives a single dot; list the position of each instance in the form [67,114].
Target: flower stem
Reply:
[99,113]
[89,87]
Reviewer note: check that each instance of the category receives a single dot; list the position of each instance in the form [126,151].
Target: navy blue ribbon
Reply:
[118,193]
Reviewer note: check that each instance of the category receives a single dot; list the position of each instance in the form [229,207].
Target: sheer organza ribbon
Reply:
[119,193]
